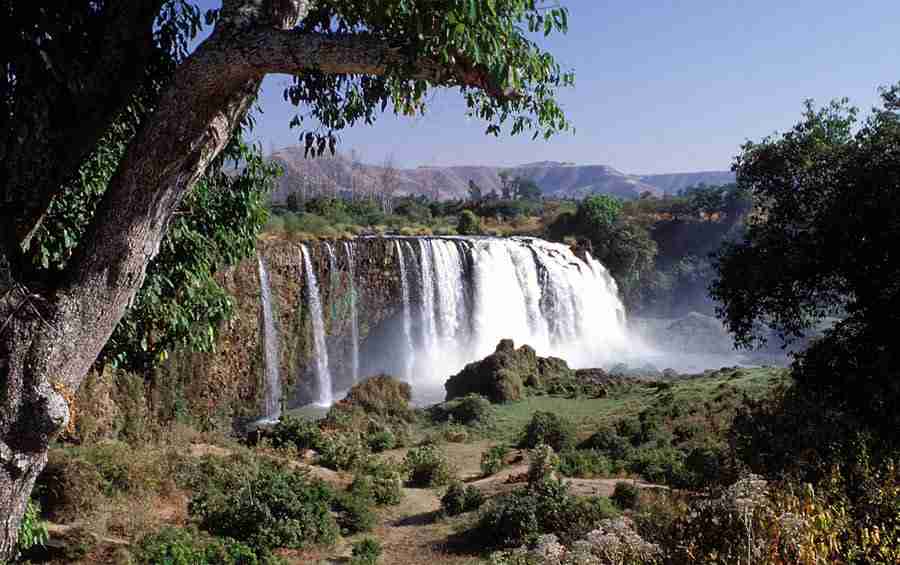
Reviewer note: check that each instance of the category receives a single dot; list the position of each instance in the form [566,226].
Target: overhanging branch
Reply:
[268,50]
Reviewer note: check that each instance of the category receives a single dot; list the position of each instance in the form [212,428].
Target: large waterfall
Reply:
[320,349]
[270,347]
[421,308]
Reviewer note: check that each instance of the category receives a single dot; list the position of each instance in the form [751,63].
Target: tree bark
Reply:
[50,337]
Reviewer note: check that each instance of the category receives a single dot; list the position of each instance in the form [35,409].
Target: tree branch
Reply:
[268,50]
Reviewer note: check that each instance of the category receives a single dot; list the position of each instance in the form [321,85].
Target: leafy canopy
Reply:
[490,37]
[823,242]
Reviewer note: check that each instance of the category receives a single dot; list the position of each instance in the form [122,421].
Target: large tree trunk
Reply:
[52,332]
[49,341]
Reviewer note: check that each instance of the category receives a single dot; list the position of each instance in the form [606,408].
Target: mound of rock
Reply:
[504,375]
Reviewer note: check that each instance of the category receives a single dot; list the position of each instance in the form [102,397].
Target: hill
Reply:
[557,179]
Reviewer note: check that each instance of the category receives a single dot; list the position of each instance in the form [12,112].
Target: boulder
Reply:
[505,375]
[499,377]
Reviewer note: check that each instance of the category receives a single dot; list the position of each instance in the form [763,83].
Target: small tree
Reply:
[469,223]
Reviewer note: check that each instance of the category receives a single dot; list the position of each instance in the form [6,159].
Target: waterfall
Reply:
[354,316]
[407,317]
[270,347]
[320,349]
[428,326]
[473,292]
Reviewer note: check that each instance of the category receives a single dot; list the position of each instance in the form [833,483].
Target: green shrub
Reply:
[301,434]
[32,530]
[381,440]
[549,429]
[353,511]
[181,546]
[460,499]
[519,517]
[660,465]
[366,552]
[584,464]
[493,460]
[383,396]
[427,466]
[469,223]
[610,443]
[343,451]
[543,464]
[626,495]
[382,479]
[469,410]
[266,505]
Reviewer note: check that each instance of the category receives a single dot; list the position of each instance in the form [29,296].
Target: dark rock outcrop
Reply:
[508,373]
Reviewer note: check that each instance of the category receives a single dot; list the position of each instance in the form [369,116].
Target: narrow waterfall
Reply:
[354,315]
[320,349]
[428,326]
[409,350]
[271,356]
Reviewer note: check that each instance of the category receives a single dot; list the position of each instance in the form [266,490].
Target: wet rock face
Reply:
[230,382]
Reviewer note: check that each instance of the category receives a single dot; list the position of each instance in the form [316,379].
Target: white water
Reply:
[428,323]
[410,350]
[354,316]
[460,296]
[320,349]
[525,289]
[270,347]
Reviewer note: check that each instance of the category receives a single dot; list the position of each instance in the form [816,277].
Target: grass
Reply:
[589,414]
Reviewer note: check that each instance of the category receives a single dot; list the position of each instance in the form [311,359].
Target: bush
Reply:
[660,465]
[469,410]
[32,530]
[301,434]
[366,552]
[381,440]
[382,480]
[519,517]
[584,464]
[353,510]
[266,505]
[493,460]
[626,495]
[383,396]
[460,499]
[610,443]
[550,429]
[180,546]
[469,223]
[343,451]
[427,466]
[543,464]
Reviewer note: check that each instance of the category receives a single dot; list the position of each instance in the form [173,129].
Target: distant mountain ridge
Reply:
[556,179]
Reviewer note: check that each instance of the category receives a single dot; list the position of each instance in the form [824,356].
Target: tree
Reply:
[506,186]
[822,241]
[597,212]
[387,184]
[75,68]
[527,189]
[475,194]
[469,223]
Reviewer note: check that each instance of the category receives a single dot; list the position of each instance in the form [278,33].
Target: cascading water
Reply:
[458,297]
[320,349]
[354,315]
[270,347]
[410,349]
[428,325]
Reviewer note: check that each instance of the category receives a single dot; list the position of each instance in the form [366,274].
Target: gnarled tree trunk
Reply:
[51,332]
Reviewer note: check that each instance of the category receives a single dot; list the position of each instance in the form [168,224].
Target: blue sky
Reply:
[660,86]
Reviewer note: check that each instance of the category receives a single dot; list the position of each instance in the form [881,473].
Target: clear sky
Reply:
[661,86]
